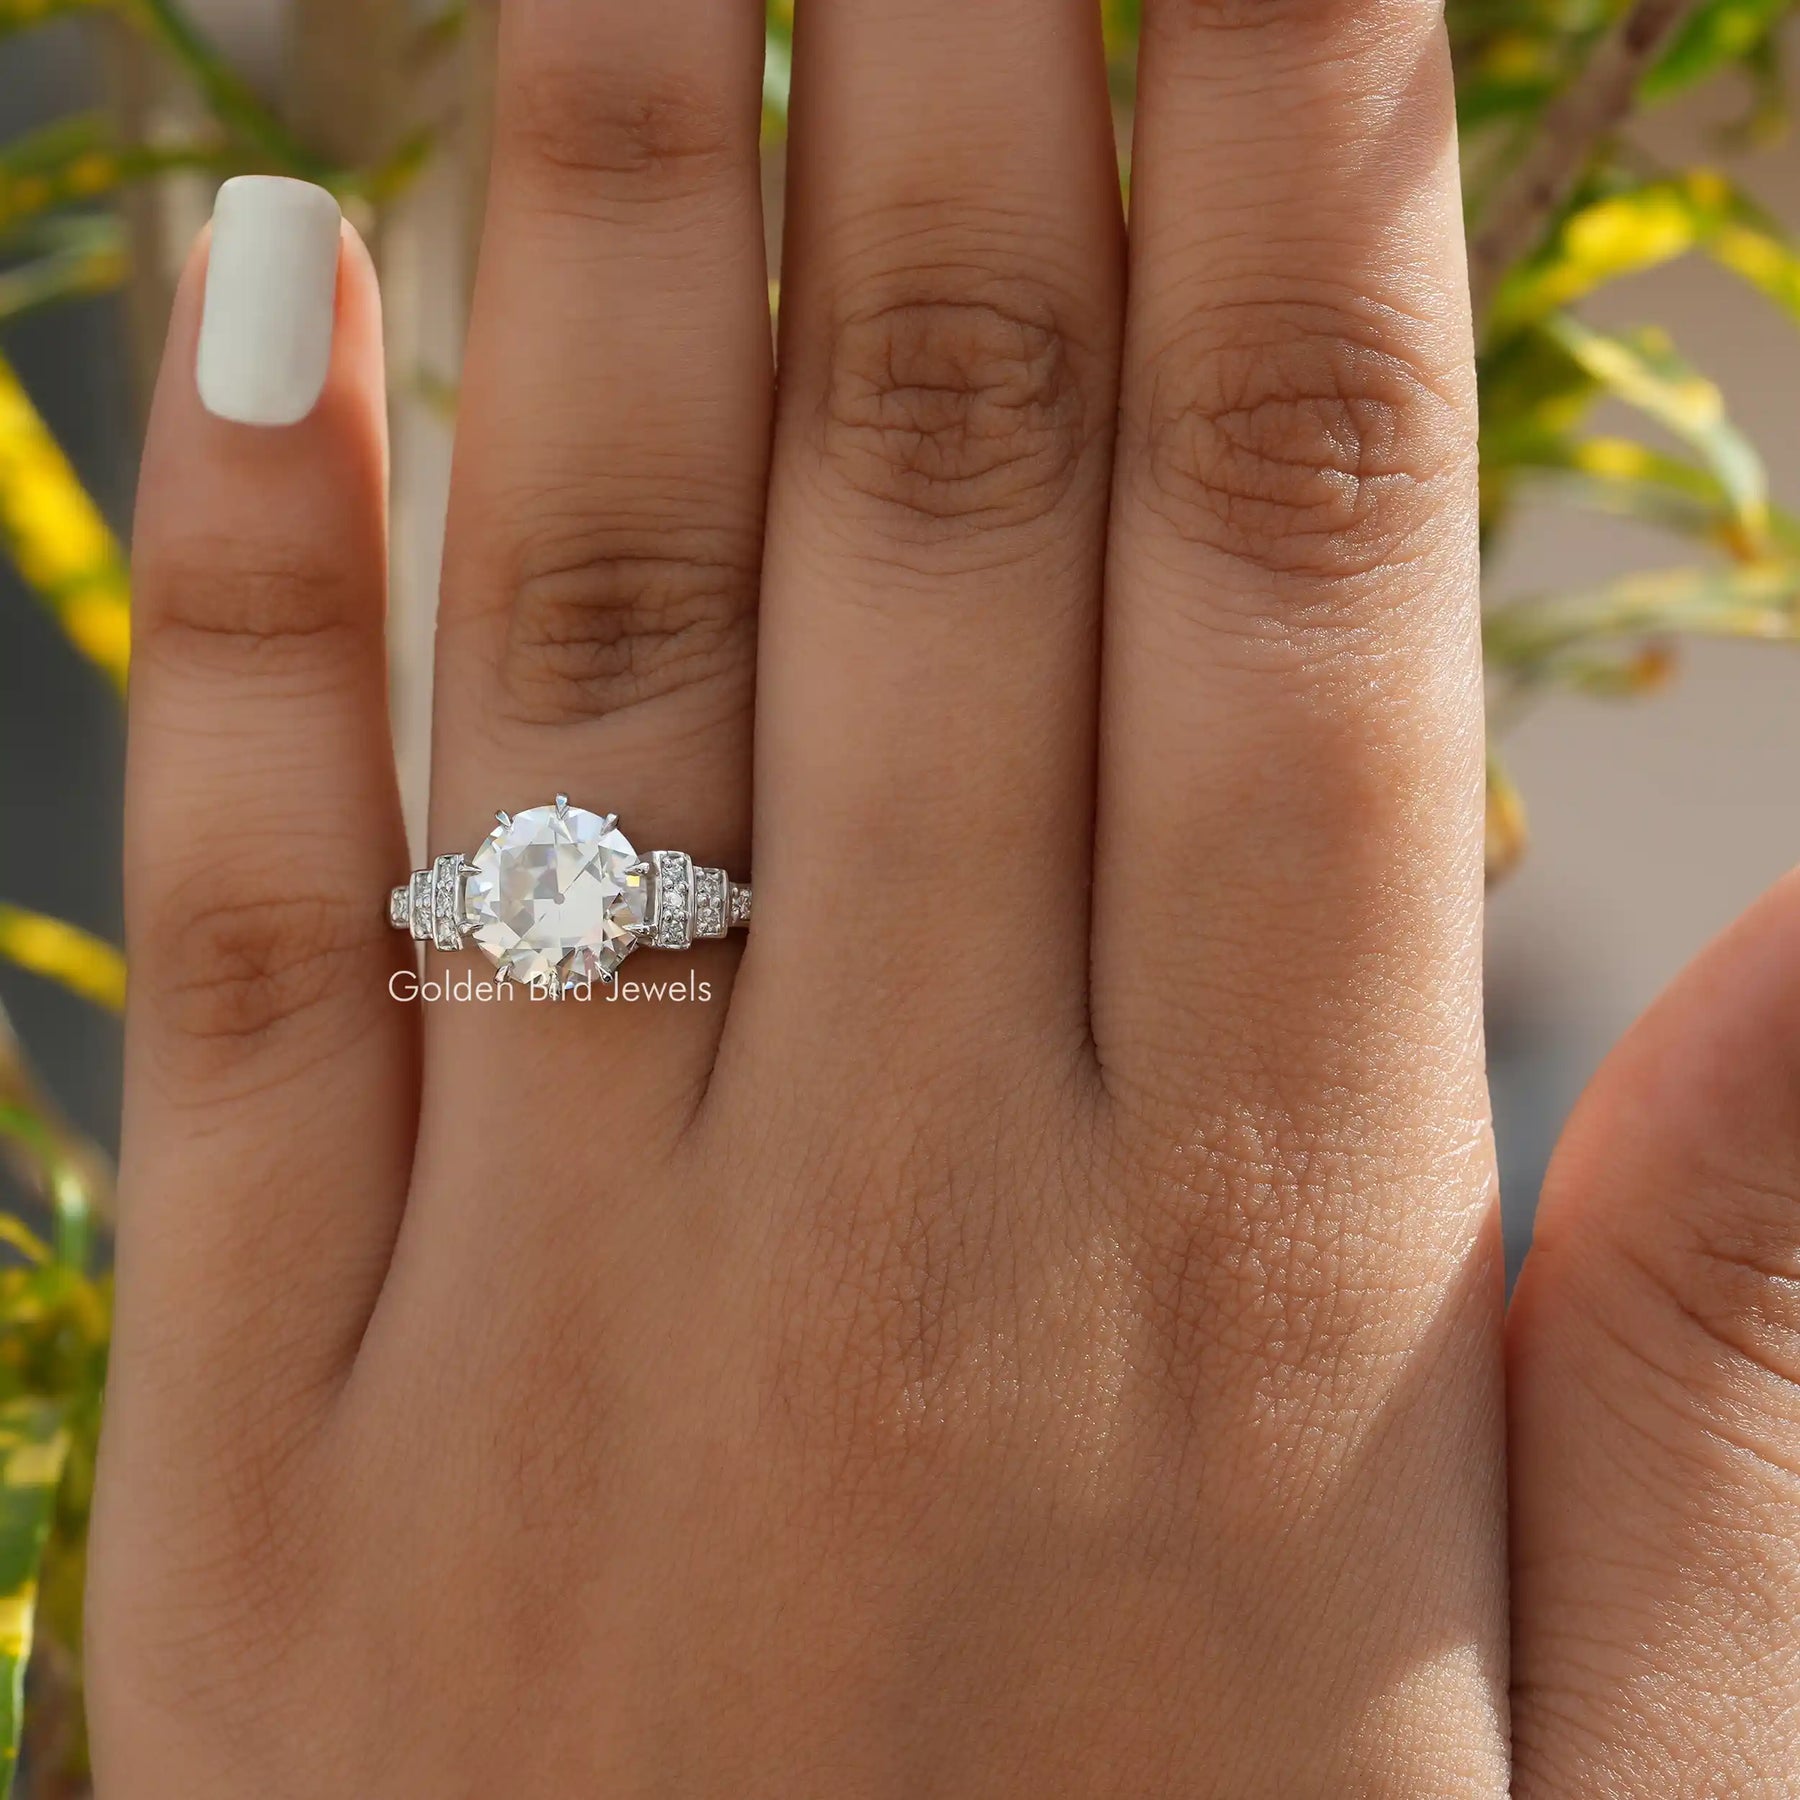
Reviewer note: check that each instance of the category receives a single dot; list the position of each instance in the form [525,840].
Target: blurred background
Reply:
[1643,573]
[1655,819]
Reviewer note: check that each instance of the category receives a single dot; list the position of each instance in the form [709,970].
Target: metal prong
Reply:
[504,818]
[609,821]
[562,804]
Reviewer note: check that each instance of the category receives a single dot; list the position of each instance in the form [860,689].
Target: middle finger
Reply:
[950,321]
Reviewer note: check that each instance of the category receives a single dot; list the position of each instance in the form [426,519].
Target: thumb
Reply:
[1654,1348]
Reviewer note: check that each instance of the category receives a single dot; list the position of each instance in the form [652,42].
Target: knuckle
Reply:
[1261,1261]
[950,410]
[877,1320]
[235,972]
[1301,442]
[223,605]
[1285,18]
[206,1630]
[881,1359]
[577,125]
[1225,1262]
[604,624]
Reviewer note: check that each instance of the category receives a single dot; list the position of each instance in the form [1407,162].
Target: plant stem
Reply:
[231,99]
[86,1161]
[1574,125]
[134,79]
[66,274]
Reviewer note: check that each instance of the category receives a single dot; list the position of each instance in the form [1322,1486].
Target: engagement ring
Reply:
[556,897]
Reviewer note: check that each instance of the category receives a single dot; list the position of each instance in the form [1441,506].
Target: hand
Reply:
[1037,1331]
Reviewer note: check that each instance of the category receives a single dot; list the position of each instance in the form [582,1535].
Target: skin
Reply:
[1038,1330]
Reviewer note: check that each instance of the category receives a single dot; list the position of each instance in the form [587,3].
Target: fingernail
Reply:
[271,300]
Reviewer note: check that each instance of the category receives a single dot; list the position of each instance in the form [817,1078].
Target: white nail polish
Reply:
[271,300]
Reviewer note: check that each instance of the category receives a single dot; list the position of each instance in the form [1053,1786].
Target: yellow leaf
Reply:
[1514,56]
[83,963]
[1613,459]
[1622,233]
[62,545]
[1758,600]
[36,1439]
[1507,828]
[19,1236]
[32,1465]
[16,1612]
[1646,373]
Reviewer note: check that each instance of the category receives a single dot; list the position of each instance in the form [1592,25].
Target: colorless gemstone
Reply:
[557,895]
[739,908]
[400,908]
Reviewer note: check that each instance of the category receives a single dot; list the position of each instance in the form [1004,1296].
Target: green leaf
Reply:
[1531,374]
[34,1445]
[229,98]
[1626,479]
[1753,248]
[1716,33]
[66,1186]
[1614,674]
[17,1236]
[1608,474]
[778,77]
[441,33]
[1765,119]
[1510,75]
[1760,600]
[1533,394]
[390,178]
[1122,21]
[74,258]
[21,15]
[80,160]
[1645,372]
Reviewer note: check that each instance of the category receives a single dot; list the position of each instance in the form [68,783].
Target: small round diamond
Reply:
[557,895]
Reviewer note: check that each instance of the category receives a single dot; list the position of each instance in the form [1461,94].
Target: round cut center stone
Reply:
[557,895]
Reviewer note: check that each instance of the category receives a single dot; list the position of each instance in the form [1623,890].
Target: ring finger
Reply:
[597,633]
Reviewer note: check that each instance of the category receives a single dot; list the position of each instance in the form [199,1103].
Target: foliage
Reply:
[1554,386]
[55,1313]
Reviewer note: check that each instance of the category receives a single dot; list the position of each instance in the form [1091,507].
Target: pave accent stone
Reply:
[419,907]
[674,900]
[738,907]
[709,903]
[447,903]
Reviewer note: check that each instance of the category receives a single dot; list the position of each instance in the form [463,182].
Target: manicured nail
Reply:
[271,300]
